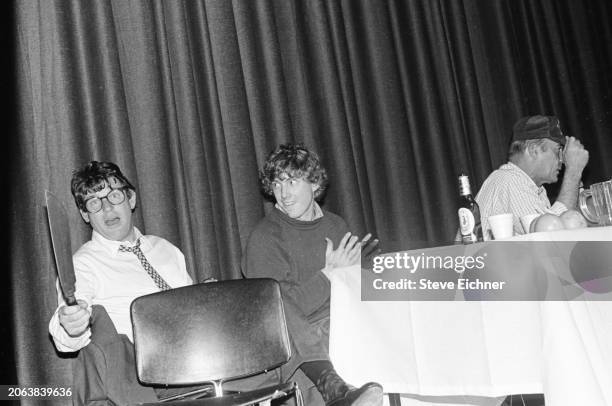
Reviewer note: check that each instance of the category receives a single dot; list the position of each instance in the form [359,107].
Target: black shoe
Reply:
[336,392]
[370,394]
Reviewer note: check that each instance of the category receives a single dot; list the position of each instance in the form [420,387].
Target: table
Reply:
[452,350]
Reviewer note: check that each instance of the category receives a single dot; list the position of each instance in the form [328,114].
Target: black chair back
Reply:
[210,332]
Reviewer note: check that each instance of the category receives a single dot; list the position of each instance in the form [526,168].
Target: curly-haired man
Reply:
[294,244]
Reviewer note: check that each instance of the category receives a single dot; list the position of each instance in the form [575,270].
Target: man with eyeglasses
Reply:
[106,273]
[536,154]
[116,266]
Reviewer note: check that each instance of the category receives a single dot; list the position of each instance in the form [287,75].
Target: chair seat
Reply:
[237,399]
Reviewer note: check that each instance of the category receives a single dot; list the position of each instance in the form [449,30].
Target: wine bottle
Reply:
[469,213]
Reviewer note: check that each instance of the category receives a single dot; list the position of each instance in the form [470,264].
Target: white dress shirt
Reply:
[510,190]
[105,276]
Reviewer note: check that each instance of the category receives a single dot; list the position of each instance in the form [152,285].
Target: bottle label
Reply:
[467,224]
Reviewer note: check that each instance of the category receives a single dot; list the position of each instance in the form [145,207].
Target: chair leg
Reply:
[394,399]
[218,388]
[299,400]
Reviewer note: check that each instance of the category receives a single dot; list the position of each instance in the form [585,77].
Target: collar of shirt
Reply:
[514,168]
[113,246]
[318,212]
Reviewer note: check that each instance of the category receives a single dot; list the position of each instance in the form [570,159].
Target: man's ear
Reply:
[132,199]
[84,215]
[316,191]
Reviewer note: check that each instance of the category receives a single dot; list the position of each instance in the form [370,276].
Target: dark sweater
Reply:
[293,252]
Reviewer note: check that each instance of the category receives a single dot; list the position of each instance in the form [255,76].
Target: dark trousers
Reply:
[104,371]
[309,342]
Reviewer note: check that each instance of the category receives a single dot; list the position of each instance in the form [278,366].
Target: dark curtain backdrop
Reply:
[188,97]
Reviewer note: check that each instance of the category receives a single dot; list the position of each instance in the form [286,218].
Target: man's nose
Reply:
[284,190]
[106,205]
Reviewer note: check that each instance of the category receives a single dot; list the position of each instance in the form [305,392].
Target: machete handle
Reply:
[71,301]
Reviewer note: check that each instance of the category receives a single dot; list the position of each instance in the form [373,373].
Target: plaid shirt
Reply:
[510,190]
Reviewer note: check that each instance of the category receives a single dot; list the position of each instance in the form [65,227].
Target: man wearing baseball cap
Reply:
[538,150]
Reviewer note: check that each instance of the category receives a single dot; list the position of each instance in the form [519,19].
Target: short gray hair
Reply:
[518,147]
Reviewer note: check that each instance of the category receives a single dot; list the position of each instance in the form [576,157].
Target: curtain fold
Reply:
[188,97]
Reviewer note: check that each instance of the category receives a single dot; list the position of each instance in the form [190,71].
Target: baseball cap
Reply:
[537,127]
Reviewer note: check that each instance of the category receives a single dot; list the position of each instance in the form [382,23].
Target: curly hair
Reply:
[93,177]
[296,161]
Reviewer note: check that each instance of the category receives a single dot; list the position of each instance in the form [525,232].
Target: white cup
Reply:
[501,225]
[527,219]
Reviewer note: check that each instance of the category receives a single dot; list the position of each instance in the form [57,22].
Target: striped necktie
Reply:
[159,281]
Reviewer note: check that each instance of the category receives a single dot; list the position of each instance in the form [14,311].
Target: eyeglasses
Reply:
[114,197]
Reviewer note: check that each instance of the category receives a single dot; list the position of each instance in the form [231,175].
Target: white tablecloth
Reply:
[561,349]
